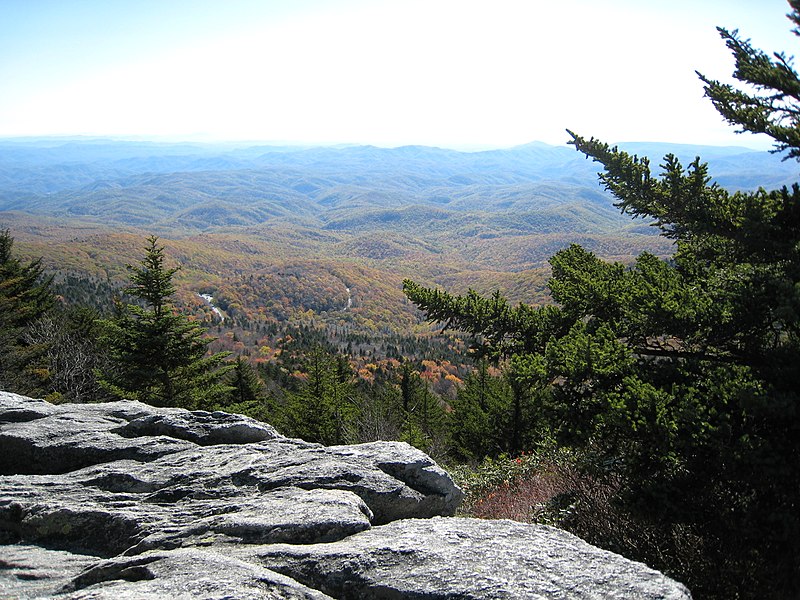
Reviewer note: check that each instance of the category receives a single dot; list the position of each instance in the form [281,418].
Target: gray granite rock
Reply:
[76,515]
[123,500]
[33,572]
[183,574]
[38,437]
[169,477]
[467,559]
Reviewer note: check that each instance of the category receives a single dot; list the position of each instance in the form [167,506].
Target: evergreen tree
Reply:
[245,383]
[470,424]
[248,394]
[423,423]
[325,409]
[680,379]
[492,415]
[409,386]
[25,296]
[773,108]
[157,355]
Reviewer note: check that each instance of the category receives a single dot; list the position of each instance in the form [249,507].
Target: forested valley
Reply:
[621,360]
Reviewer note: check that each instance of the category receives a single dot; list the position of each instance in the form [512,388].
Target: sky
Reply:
[464,74]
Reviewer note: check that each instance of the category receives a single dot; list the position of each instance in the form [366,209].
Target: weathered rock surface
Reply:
[35,572]
[183,573]
[125,500]
[466,558]
[47,438]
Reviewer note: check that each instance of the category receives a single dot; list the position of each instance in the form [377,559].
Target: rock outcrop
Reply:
[123,500]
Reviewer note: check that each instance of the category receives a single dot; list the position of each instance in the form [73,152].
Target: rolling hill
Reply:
[281,234]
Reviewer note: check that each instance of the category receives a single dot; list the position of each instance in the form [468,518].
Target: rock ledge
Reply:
[124,500]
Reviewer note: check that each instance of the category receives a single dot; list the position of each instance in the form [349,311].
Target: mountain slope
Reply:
[282,233]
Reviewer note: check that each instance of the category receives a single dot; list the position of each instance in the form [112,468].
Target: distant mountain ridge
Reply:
[152,184]
[275,232]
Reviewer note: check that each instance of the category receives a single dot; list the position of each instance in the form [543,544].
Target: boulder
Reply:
[125,500]
[185,573]
[125,477]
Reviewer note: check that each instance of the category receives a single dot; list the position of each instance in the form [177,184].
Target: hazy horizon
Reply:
[463,75]
[199,141]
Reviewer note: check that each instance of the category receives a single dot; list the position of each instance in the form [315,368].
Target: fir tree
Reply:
[324,410]
[157,355]
[423,415]
[491,416]
[25,296]
[245,383]
[248,394]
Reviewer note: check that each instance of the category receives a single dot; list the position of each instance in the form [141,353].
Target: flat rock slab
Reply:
[77,516]
[39,437]
[468,559]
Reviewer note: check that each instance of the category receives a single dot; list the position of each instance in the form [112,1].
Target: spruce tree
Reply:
[246,385]
[422,411]
[471,424]
[157,355]
[492,415]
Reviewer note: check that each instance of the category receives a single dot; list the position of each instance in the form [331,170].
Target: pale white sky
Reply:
[453,73]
